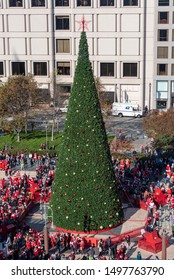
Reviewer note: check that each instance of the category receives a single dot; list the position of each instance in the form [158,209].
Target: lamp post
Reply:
[164,249]
[44,215]
[52,129]
[46,130]
[164,224]
[150,88]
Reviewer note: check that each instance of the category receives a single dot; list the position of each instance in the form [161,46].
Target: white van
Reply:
[126,110]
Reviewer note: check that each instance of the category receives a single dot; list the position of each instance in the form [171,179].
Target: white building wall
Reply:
[115,35]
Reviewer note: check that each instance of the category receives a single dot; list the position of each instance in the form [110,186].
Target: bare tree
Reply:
[103,98]
[160,126]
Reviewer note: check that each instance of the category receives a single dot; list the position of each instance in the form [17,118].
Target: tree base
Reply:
[87,232]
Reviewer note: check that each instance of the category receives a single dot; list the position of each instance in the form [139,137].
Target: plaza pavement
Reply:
[133,218]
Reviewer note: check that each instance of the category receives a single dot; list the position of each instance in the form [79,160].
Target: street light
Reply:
[164,224]
[44,215]
[46,130]
[150,88]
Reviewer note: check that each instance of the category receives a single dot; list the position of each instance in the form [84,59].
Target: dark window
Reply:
[130,2]
[106,2]
[83,3]
[65,89]
[62,46]
[163,2]
[129,69]
[18,68]
[107,69]
[163,17]
[62,23]
[38,3]
[1,68]
[15,3]
[40,68]
[62,3]
[163,35]
[162,69]
[63,68]
[161,104]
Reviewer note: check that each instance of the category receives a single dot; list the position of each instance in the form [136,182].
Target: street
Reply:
[130,128]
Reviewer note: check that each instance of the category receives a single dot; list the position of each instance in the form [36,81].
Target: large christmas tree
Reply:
[85,196]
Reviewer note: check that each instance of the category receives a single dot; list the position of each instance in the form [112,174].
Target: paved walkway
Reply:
[133,218]
[27,172]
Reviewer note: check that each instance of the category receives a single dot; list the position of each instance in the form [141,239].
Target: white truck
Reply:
[126,110]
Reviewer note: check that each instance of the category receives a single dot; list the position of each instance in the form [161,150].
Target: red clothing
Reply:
[168,170]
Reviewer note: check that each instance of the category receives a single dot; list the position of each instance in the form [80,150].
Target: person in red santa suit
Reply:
[168,170]
[52,240]
[28,244]
[122,165]
[172,202]
[168,199]
[128,163]
[172,178]
[35,157]
[36,252]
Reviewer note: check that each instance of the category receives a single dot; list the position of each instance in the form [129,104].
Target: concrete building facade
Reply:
[130,46]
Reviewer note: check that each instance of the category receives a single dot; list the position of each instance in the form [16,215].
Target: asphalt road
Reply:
[132,128]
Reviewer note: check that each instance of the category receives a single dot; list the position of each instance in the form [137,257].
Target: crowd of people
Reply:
[14,199]
[139,178]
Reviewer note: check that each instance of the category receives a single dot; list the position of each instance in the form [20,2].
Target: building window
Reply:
[64,89]
[163,17]
[163,2]
[63,68]
[172,69]
[163,35]
[107,69]
[172,52]
[15,3]
[161,104]
[38,3]
[130,2]
[83,3]
[172,93]
[106,2]
[162,69]
[62,23]
[61,3]
[129,69]
[62,46]
[40,68]
[162,52]
[1,68]
[161,89]
[18,68]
